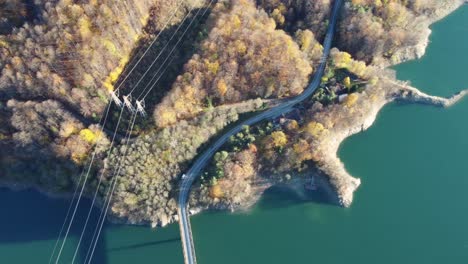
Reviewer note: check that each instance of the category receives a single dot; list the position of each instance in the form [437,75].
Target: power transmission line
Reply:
[90,165]
[114,179]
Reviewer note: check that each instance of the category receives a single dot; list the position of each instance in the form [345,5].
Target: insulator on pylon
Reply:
[128,102]
[140,107]
[116,99]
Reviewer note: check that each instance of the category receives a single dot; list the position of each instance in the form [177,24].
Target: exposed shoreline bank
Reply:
[417,51]
[402,93]
[344,192]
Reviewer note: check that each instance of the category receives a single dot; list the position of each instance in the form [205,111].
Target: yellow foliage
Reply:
[62,91]
[278,17]
[301,146]
[109,87]
[109,45]
[3,43]
[395,13]
[16,61]
[114,75]
[240,47]
[87,80]
[358,67]
[136,37]
[84,25]
[342,59]
[303,151]
[78,158]
[144,19]
[290,47]
[236,22]
[292,125]
[106,12]
[189,92]
[89,136]
[279,139]
[222,87]
[179,104]
[270,25]
[315,128]
[351,100]
[282,8]
[3,136]
[216,191]
[317,47]
[358,2]
[131,32]
[305,39]
[167,117]
[347,82]
[74,11]
[131,199]
[212,66]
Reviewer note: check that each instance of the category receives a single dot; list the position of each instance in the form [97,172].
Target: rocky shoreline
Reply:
[345,191]
[332,177]
[417,51]
[338,179]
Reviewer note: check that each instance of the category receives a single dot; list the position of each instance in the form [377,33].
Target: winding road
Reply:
[202,160]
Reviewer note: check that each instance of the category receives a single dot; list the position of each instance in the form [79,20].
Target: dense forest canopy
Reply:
[244,57]
[375,29]
[65,61]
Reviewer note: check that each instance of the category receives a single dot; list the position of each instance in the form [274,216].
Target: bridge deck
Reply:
[202,160]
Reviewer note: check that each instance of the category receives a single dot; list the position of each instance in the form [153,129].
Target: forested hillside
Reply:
[57,71]
[200,66]
[244,57]
[380,30]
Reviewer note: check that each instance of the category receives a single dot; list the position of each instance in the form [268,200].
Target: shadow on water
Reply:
[147,244]
[30,216]
[283,196]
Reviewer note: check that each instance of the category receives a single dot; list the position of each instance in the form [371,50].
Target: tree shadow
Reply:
[35,217]
[165,66]
[13,14]
[283,195]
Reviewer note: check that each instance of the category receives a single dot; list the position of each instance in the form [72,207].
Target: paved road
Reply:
[202,160]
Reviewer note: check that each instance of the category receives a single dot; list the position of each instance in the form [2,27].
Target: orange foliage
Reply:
[216,191]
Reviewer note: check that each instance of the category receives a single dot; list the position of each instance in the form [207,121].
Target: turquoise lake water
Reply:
[411,208]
